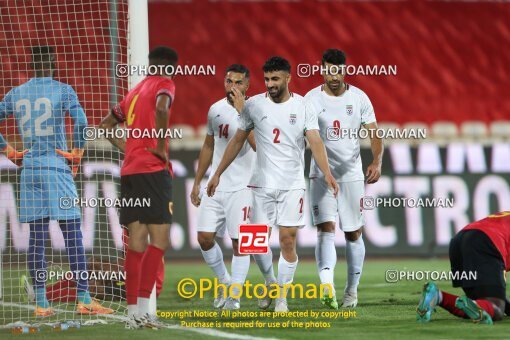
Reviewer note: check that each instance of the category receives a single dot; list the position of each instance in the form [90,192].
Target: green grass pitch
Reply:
[386,310]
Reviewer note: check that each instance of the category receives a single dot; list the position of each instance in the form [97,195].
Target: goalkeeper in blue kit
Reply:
[39,107]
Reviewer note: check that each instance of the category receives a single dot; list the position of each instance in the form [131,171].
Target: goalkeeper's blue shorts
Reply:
[47,193]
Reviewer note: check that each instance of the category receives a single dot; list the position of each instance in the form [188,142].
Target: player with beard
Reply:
[280,122]
[231,206]
[341,107]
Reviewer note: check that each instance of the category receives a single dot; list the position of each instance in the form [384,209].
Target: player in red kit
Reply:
[482,249]
[145,174]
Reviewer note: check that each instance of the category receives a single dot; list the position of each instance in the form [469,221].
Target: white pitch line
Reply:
[205,331]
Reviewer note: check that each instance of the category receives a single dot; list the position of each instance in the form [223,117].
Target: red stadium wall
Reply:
[452,57]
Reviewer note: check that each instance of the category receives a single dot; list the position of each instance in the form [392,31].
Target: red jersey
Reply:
[497,227]
[137,110]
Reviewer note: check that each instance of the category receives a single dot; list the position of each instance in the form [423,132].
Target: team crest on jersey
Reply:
[350,110]
[315,210]
[292,118]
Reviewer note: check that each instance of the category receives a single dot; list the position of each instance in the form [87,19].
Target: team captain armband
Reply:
[117,113]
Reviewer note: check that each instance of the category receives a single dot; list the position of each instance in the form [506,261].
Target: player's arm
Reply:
[109,123]
[235,145]
[204,161]
[239,100]
[163,102]
[251,141]
[70,100]
[376,144]
[6,110]
[321,157]
[231,151]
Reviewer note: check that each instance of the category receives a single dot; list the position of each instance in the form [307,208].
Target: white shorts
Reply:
[347,204]
[278,208]
[225,210]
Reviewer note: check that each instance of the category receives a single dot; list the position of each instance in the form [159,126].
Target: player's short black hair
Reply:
[163,55]
[276,64]
[40,55]
[333,56]
[238,68]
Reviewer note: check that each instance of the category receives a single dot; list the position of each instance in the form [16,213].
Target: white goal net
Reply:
[83,40]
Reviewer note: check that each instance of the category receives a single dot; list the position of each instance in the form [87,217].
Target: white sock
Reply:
[143,306]
[265,263]
[240,268]
[355,254]
[132,310]
[325,255]
[214,258]
[286,272]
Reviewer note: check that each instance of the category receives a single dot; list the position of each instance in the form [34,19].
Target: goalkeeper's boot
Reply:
[328,299]
[232,304]
[43,312]
[220,299]
[92,308]
[428,302]
[475,312]
[350,299]
[27,287]
[265,300]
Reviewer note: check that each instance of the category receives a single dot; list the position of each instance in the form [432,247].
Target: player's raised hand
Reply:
[212,185]
[238,99]
[15,156]
[74,158]
[330,180]
[195,195]
[373,173]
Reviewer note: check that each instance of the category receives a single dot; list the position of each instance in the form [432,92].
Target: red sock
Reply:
[448,303]
[160,278]
[132,267]
[61,291]
[486,306]
[150,264]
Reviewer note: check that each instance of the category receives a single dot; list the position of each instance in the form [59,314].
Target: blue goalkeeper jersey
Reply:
[40,106]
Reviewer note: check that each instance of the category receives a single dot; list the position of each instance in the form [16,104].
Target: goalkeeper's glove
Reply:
[15,156]
[73,157]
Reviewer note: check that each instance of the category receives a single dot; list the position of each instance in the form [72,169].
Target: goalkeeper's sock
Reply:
[37,260]
[84,297]
[150,263]
[76,253]
[40,297]
[214,259]
[355,255]
[265,264]
[132,267]
[240,268]
[325,255]
[448,303]
[61,291]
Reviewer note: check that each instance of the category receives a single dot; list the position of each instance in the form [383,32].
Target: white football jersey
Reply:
[280,137]
[346,112]
[223,122]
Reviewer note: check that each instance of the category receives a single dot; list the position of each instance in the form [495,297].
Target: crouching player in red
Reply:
[483,249]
